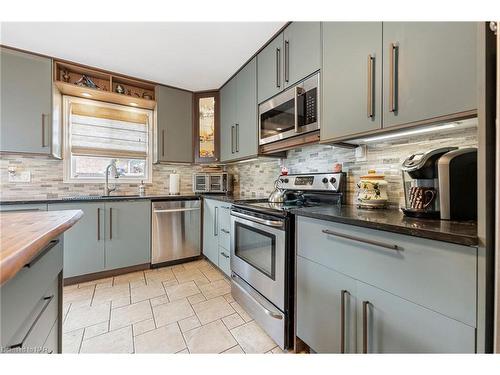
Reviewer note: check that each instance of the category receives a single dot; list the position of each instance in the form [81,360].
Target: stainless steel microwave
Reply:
[293,112]
[212,182]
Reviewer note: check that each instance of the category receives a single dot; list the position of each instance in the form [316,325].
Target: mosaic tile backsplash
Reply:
[253,178]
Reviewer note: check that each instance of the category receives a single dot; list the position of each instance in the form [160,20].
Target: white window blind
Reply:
[108,132]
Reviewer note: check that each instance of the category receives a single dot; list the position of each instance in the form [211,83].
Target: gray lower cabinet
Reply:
[217,233]
[429,70]
[239,125]
[321,295]
[26,101]
[128,233]
[395,325]
[84,243]
[302,51]
[110,235]
[270,69]
[30,306]
[24,207]
[420,298]
[174,111]
[351,76]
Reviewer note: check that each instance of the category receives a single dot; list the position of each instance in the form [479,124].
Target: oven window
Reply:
[257,248]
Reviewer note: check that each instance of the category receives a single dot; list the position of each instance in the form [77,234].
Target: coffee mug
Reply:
[421,197]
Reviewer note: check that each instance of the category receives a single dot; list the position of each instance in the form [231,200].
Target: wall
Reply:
[254,178]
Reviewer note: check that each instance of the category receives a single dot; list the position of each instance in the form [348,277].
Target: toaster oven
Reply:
[218,182]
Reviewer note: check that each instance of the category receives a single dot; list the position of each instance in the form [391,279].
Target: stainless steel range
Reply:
[263,253]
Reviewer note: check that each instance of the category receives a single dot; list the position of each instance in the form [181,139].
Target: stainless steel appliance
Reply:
[212,182]
[293,112]
[262,250]
[457,171]
[421,183]
[175,230]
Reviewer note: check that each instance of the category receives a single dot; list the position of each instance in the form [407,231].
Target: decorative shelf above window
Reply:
[90,83]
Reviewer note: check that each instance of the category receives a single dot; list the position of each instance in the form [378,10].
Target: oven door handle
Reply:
[267,311]
[270,223]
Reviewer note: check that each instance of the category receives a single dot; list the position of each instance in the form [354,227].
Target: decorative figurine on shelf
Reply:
[119,89]
[65,76]
[86,82]
[146,95]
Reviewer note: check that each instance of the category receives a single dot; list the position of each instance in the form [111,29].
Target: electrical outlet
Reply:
[360,153]
[20,176]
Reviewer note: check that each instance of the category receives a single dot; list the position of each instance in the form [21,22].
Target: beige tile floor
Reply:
[184,308]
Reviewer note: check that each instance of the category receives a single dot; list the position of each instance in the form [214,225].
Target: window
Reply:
[205,127]
[97,133]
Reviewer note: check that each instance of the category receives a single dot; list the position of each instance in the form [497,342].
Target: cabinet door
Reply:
[26,101]
[395,325]
[302,51]
[351,78]
[246,136]
[227,120]
[270,69]
[84,242]
[433,70]
[319,301]
[174,110]
[210,230]
[24,207]
[128,233]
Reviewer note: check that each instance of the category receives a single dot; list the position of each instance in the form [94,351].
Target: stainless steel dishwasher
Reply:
[175,230]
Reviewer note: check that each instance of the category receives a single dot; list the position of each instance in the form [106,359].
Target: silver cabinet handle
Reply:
[232,139]
[358,239]
[287,61]
[298,91]
[365,326]
[224,255]
[110,223]
[163,142]
[267,311]
[271,223]
[216,219]
[224,230]
[98,224]
[393,77]
[370,110]
[343,293]
[278,68]
[41,254]
[47,301]
[44,144]
[237,131]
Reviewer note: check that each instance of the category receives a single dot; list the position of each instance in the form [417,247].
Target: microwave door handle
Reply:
[298,91]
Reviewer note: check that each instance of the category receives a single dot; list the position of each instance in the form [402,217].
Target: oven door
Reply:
[293,112]
[258,254]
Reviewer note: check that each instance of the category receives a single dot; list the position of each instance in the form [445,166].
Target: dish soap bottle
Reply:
[142,189]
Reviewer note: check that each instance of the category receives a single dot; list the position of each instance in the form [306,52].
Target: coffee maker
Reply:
[421,183]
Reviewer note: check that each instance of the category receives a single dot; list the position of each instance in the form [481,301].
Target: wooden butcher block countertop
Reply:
[24,234]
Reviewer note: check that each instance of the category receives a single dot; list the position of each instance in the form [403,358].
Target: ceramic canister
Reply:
[372,190]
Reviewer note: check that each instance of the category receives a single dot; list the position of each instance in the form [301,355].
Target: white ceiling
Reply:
[191,55]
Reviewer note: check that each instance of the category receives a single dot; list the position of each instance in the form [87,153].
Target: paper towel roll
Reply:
[175,183]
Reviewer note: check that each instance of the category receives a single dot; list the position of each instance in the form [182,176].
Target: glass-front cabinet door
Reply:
[206,142]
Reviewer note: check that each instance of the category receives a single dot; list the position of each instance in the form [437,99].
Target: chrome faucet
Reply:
[112,166]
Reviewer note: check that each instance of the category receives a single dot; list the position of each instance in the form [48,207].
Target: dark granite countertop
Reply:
[392,220]
[233,198]
[84,198]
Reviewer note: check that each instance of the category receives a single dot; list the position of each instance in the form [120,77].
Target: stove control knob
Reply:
[333,180]
[325,180]
[285,180]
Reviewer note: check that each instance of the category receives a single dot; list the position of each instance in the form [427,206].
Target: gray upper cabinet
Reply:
[302,51]
[270,69]
[395,325]
[351,78]
[239,132]
[83,243]
[227,120]
[26,101]
[174,111]
[127,233]
[429,70]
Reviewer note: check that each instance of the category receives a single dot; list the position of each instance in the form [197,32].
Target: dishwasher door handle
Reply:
[176,210]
